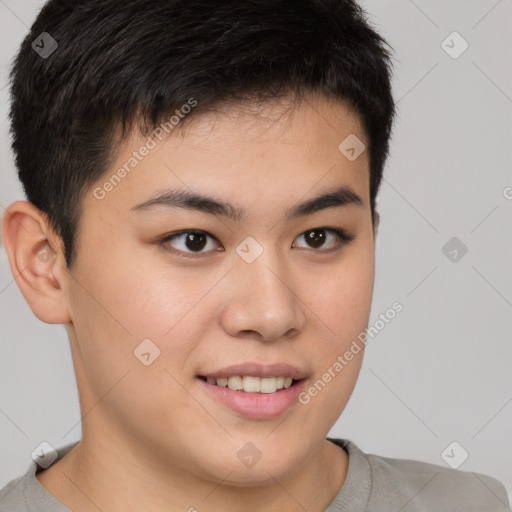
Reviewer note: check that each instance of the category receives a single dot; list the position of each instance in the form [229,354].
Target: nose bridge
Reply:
[263,297]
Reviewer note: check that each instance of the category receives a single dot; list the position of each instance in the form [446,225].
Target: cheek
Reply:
[342,297]
[345,307]
[145,299]
[120,303]
[115,311]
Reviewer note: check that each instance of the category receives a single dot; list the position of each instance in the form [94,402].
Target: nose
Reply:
[264,301]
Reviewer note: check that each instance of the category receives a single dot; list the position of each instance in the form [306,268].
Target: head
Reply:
[142,108]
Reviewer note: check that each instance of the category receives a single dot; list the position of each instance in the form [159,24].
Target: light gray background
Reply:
[440,371]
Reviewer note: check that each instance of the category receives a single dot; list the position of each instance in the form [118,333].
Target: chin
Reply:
[264,471]
[251,477]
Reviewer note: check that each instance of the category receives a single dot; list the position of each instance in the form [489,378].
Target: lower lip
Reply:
[258,406]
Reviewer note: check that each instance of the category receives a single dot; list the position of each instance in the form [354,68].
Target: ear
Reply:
[376,222]
[35,256]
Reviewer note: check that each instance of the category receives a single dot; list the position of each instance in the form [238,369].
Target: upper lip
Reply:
[258,370]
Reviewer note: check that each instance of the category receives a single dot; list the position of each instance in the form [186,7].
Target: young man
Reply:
[201,179]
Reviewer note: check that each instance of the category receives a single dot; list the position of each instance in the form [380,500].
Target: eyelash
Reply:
[343,239]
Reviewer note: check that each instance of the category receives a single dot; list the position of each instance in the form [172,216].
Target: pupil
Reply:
[195,241]
[316,238]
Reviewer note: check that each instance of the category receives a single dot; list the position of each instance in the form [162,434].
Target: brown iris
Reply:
[315,237]
[195,241]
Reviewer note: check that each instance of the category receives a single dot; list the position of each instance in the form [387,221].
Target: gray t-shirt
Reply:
[372,484]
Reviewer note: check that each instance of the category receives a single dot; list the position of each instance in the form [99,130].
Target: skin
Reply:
[151,437]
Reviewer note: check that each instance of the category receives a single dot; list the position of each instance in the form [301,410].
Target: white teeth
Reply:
[252,384]
[235,383]
[268,385]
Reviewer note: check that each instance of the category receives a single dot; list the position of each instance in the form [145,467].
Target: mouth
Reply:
[253,391]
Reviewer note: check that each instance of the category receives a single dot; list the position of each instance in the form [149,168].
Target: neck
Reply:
[104,474]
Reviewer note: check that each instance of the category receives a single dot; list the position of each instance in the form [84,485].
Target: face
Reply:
[166,301]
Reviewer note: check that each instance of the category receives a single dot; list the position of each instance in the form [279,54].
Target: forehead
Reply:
[249,153]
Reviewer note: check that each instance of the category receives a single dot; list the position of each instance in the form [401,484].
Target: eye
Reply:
[317,237]
[193,240]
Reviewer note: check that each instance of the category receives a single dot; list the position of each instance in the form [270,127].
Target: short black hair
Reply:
[119,63]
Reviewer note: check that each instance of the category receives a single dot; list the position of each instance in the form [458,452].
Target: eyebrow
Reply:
[342,196]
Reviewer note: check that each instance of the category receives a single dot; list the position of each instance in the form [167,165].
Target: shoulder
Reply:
[26,494]
[12,496]
[437,487]
[410,486]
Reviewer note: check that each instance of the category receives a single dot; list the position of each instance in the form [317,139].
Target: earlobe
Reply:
[33,259]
